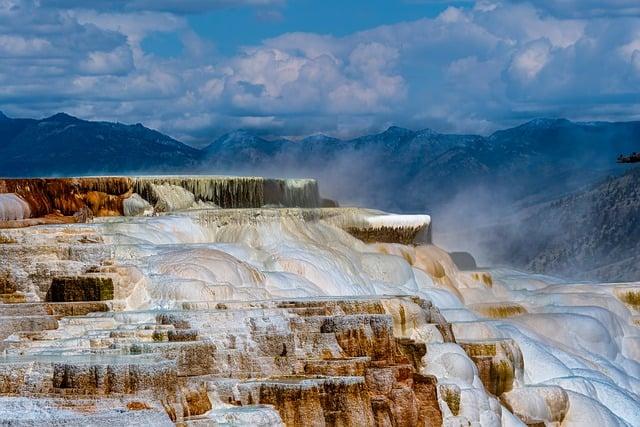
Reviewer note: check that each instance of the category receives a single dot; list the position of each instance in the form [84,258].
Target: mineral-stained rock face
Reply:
[288,316]
[80,288]
[115,196]
[497,361]
[103,195]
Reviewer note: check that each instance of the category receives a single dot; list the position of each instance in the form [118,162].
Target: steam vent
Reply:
[205,301]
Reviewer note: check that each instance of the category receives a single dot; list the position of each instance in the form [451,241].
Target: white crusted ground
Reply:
[580,337]
[579,342]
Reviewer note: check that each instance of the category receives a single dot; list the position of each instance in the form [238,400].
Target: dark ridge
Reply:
[631,158]
[62,118]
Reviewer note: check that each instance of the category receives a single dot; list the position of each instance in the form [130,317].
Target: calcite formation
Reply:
[240,301]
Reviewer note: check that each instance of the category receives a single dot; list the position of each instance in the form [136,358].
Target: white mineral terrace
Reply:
[392,220]
[240,282]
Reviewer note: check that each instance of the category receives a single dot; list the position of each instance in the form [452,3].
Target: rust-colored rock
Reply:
[195,401]
[80,288]
[103,195]
[137,406]
[497,361]
[403,235]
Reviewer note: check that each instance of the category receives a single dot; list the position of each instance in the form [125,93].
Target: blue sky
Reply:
[334,17]
[197,68]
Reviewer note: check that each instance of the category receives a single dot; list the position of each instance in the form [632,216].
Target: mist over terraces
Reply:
[591,234]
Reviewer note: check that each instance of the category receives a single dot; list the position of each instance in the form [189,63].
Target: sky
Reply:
[197,68]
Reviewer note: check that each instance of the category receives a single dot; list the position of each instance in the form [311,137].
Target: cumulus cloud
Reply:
[561,8]
[588,8]
[530,60]
[469,69]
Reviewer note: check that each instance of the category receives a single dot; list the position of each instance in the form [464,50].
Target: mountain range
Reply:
[65,145]
[474,180]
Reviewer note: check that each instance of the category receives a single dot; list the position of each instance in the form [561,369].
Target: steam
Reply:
[503,219]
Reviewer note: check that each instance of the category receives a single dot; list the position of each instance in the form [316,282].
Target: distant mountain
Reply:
[423,170]
[242,147]
[65,145]
[398,169]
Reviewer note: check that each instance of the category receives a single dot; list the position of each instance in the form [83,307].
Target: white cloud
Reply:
[11,45]
[469,69]
[530,60]
[587,8]
[559,8]
[116,62]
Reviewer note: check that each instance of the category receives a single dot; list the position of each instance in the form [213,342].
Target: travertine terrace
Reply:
[249,301]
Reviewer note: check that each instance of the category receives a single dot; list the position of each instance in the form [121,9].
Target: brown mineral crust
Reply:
[105,378]
[137,406]
[363,335]
[76,308]
[496,361]
[411,350]
[181,335]
[195,401]
[7,284]
[345,367]
[80,288]
[52,218]
[362,306]
[346,403]
[384,234]
[104,196]
[318,402]
[398,395]
[57,310]
[402,397]
[80,376]
[425,389]
[297,406]
[371,378]
[193,358]
[30,323]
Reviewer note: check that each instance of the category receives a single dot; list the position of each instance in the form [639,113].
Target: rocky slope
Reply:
[592,234]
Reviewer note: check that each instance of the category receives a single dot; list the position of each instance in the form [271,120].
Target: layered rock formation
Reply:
[292,316]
